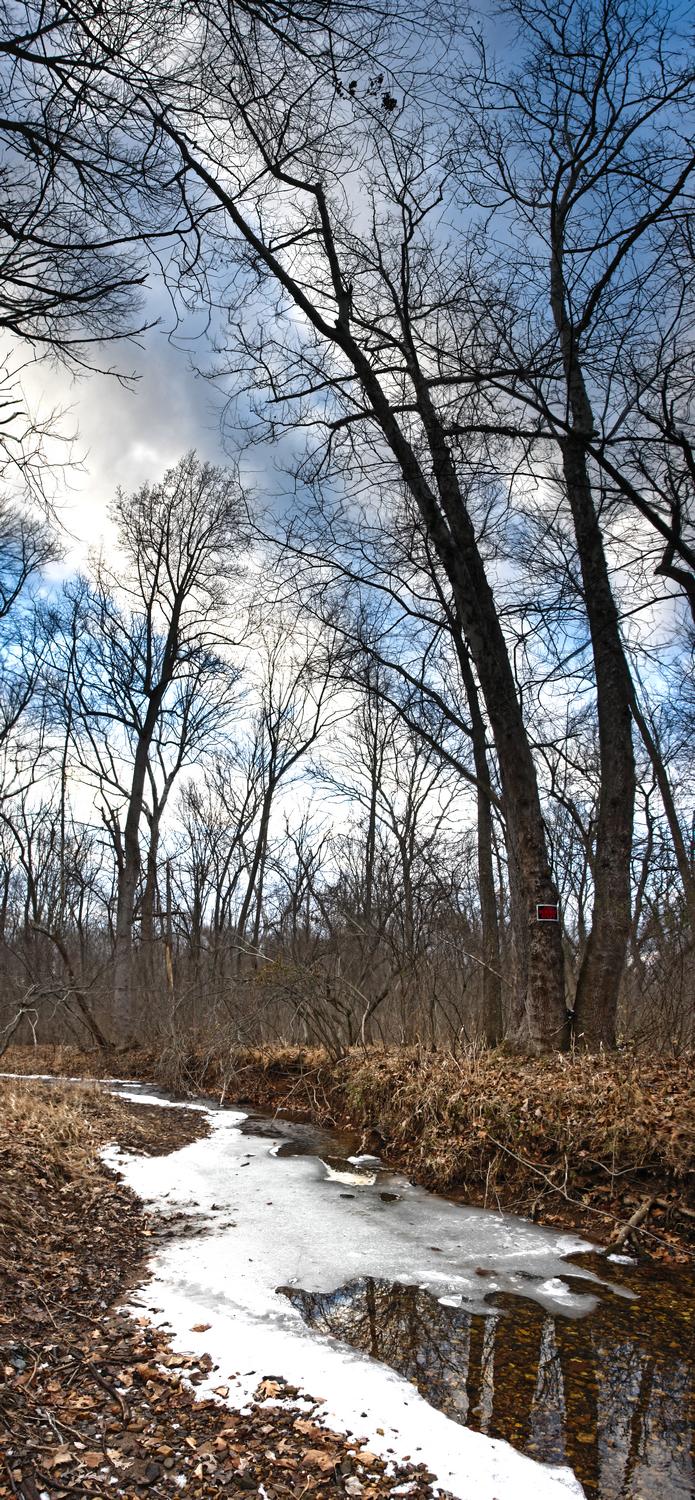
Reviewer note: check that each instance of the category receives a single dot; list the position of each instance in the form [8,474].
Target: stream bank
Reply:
[577,1142]
[92,1401]
[572,1361]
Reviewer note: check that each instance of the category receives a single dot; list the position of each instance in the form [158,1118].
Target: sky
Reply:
[124,434]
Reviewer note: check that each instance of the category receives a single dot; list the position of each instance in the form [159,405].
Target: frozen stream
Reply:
[268,1216]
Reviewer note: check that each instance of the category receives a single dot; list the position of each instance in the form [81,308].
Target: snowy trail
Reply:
[270,1220]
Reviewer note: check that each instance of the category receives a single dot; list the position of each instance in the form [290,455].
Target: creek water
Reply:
[609,1393]
[517,1332]
[608,1389]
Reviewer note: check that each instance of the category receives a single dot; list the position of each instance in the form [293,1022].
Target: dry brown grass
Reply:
[65,1122]
[459,1116]
[50,1137]
[572,1139]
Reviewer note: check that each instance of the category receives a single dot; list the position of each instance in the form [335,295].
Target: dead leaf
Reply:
[268,1390]
[318,1458]
[58,1457]
[308,1429]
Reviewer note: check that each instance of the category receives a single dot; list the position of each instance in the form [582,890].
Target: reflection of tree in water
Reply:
[647,1423]
[403,1327]
[610,1394]
[547,1427]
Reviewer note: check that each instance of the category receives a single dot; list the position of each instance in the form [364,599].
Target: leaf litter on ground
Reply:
[93,1402]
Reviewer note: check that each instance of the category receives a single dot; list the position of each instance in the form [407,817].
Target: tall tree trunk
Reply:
[370,842]
[519,945]
[489,920]
[598,984]
[4,903]
[128,874]
[453,537]
[602,967]
[258,911]
[255,873]
[123,949]
[149,895]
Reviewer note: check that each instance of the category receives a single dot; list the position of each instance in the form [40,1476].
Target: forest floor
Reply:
[604,1145]
[92,1400]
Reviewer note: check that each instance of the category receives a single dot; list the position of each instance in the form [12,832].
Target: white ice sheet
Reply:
[272,1221]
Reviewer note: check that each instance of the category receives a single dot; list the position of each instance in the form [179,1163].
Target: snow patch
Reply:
[137,1098]
[47,1078]
[292,1226]
[555,1287]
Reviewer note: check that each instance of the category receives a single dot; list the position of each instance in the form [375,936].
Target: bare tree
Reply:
[271,190]
[582,151]
[146,681]
[295,688]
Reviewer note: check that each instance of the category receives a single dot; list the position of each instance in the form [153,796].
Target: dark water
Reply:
[611,1394]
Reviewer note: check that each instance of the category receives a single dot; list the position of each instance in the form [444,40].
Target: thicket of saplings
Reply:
[329,980]
[399,747]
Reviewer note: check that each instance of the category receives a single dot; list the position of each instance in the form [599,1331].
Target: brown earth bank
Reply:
[92,1401]
[603,1144]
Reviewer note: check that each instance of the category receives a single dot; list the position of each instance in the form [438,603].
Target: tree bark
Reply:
[489,920]
[546,1012]
[598,984]
[453,536]
[128,876]
[147,905]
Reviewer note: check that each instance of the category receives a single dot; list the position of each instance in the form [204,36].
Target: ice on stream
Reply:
[140,1096]
[273,1221]
[348,1178]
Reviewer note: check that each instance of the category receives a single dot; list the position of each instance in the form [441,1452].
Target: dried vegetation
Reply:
[577,1140]
[586,1141]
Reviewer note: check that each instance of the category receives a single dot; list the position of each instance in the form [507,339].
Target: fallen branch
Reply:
[673,1205]
[620,1233]
[24,1009]
[619,1236]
